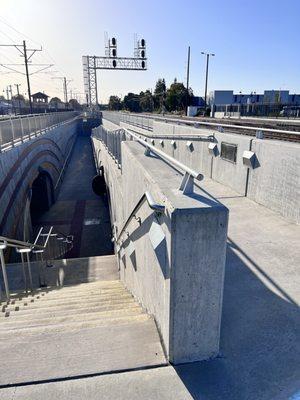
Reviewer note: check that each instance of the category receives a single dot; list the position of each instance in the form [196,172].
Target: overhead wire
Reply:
[39,56]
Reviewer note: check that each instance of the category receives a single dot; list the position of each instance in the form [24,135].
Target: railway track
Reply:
[276,130]
[288,131]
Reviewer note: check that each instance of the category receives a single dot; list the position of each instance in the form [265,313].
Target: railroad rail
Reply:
[287,133]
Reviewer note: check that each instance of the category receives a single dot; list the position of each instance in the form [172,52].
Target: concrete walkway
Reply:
[260,332]
[78,211]
[153,384]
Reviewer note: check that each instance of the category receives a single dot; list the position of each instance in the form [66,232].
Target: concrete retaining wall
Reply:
[230,174]
[175,139]
[226,172]
[274,182]
[173,263]
[20,165]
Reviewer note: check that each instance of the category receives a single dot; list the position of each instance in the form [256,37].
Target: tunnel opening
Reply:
[42,196]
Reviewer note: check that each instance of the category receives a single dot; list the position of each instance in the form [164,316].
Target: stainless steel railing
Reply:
[158,208]
[46,246]
[16,130]
[141,121]
[113,139]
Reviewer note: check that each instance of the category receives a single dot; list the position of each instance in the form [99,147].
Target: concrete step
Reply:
[77,329]
[78,288]
[34,331]
[66,307]
[81,297]
[17,323]
[53,312]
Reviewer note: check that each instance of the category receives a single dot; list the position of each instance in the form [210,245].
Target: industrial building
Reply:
[275,103]
[225,97]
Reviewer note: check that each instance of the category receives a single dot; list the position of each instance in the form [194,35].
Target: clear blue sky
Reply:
[256,42]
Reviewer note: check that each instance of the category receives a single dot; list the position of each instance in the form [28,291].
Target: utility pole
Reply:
[18,92]
[65,87]
[65,90]
[11,100]
[24,52]
[10,91]
[27,75]
[206,75]
[188,80]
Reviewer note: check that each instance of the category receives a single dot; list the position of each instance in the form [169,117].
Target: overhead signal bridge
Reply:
[111,62]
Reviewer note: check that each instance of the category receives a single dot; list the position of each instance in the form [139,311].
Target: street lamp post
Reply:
[206,75]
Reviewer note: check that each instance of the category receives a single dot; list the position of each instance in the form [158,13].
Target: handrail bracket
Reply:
[187,184]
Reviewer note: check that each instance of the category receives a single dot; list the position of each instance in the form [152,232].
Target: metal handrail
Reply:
[38,235]
[25,248]
[164,155]
[187,183]
[19,243]
[63,167]
[159,208]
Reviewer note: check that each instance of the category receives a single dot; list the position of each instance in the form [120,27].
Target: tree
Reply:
[176,96]
[74,104]
[114,103]
[159,94]
[19,97]
[146,101]
[55,100]
[131,102]
[56,103]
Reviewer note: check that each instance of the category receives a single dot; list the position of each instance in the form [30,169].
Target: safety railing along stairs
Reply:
[146,198]
[46,247]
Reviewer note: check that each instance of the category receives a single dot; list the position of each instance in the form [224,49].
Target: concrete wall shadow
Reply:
[260,347]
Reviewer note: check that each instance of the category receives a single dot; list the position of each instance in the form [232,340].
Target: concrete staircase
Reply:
[86,305]
[81,329]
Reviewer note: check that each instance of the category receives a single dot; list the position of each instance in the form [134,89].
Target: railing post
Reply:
[22,129]
[3,266]
[40,121]
[29,127]
[12,132]
[187,184]
[29,270]
[35,123]
[24,271]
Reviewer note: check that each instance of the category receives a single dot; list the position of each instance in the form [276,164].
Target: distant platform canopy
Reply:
[40,97]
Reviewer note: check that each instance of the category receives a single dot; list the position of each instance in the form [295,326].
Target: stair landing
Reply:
[84,329]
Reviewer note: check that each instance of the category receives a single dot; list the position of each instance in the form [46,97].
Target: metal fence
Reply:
[14,130]
[141,121]
[112,140]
